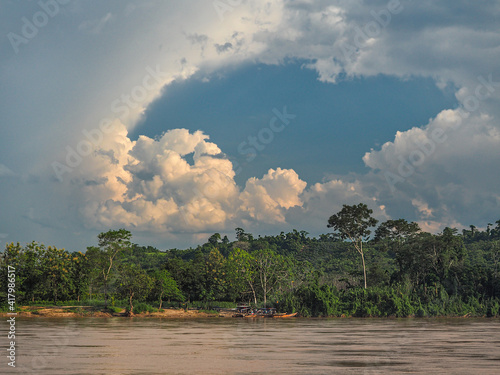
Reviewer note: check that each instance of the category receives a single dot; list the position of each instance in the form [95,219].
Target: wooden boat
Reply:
[244,311]
[253,316]
[284,315]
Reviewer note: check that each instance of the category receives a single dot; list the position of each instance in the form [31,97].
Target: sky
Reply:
[176,120]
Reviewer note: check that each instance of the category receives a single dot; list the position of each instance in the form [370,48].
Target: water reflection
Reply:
[240,346]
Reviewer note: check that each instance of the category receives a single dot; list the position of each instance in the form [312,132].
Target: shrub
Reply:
[493,308]
[115,309]
[141,307]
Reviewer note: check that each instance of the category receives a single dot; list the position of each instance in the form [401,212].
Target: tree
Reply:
[111,243]
[189,275]
[133,281]
[29,268]
[94,258]
[394,234]
[396,230]
[56,265]
[214,239]
[241,274]
[428,259]
[272,269]
[215,276]
[242,236]
[26,261]
[352,222]
[80,270]
[165,287]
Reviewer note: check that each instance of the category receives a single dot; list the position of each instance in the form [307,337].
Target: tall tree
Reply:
[56,265]
[272,269]
[111,243]
[396,230]
[352,222]
[30,272]
[214,239]
[394,234]
[215,276]
[133,282]
[165,287]
[241,274]
[80,270]
[242,236]
[94,258]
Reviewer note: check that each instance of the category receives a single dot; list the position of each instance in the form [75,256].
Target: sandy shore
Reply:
[89,311]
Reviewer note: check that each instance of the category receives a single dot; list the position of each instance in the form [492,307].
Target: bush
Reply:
[493,308]
[115,309]
[141,307]
[420,312]
[313,300]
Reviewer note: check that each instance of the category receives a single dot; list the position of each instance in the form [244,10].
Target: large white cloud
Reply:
[446,169]
[265,200]
[150,185]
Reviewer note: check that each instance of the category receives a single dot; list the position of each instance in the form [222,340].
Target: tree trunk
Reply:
[105,293]
[253,292]
[265,290]
[364,268]
[130,301]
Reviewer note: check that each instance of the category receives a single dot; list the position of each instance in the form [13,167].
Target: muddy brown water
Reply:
[255,346]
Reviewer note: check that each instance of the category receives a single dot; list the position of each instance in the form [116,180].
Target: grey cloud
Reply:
[197,38]
[223,48]
[110,154]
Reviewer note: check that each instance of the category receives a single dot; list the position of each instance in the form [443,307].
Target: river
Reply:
[259,346]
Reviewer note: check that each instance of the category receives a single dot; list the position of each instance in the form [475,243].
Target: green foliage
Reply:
[493,308]
[142,307]
[110,244]
[148,257]
[133,282]
[352,223]
[409,272]
[396,231]
[164,287]
[114,309]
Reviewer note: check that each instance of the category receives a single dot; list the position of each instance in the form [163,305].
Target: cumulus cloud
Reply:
[266,199]
[181,182]
[154,187]
[446,169]
[151,185]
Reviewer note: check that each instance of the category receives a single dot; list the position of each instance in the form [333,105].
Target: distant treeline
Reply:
[408,272]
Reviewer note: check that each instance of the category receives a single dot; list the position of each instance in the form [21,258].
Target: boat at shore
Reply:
[285,315]
[244,311]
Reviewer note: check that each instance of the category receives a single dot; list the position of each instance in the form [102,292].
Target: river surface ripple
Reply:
[255,346]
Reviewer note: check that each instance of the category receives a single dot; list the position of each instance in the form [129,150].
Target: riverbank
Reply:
[170,313]
[92,311]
